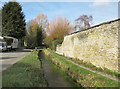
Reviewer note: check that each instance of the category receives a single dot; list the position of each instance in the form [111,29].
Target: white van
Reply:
[3,46]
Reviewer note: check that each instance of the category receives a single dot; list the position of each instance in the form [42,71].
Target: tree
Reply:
[35,31]
[56,30]
[30,38]
[39,25]
[40,20]
[83,22]
[13,22]
[28,25]
[39,36]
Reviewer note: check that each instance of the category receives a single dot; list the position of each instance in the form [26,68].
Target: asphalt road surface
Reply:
[9,58]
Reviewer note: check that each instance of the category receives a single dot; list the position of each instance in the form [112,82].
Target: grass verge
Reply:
[91,66]
[25,73]
[80,75]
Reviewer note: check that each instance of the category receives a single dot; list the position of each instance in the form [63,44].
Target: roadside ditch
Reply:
[51,74]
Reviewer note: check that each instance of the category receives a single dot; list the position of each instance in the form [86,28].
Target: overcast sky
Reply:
[101,11]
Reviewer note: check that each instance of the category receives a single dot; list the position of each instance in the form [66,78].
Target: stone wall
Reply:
[97,45]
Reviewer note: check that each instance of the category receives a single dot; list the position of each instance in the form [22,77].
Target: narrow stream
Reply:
[51,74]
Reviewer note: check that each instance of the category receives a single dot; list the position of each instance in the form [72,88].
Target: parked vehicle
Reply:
[15,43]
[12,43]
[3,46]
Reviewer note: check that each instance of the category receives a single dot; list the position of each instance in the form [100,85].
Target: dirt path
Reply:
[100,73]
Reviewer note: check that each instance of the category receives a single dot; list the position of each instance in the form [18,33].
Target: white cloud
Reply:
[97,3]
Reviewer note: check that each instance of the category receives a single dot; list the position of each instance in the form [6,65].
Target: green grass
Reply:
[80,75]
[91,66]
[25,73]
[35,51]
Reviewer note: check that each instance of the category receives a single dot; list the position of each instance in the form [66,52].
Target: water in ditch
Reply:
[53,77]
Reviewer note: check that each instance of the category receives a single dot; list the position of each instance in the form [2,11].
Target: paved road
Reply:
[9,58]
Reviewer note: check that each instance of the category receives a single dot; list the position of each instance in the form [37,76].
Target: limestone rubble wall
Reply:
[97,45]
